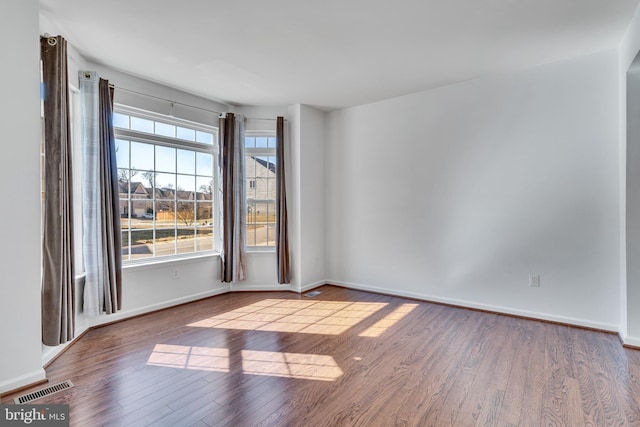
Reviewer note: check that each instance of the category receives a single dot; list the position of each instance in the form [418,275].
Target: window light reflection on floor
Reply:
[270,363]
[188,357]
[281,315]
[290,365]
[388,321]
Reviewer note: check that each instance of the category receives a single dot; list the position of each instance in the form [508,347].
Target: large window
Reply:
[260,171]
[167,181]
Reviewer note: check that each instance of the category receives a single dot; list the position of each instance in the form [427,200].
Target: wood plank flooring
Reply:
[344,358]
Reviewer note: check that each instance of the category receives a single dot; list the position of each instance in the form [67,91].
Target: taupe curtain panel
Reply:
[282,228]
[58,275]
[233,255]
[110,203]
[100,215]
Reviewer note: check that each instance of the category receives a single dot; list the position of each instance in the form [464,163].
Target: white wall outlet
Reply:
[175,274]
[534,280]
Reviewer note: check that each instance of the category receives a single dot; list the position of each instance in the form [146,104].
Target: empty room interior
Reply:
[361,213]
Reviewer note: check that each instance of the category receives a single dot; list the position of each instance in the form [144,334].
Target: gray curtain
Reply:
[100,217]
[282,227]
[110,204]
[233,254]
[58,275]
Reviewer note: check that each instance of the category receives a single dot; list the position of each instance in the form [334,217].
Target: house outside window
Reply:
[260,171]
[166,176]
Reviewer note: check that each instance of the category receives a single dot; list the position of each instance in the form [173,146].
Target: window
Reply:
[166,183]
[260,170]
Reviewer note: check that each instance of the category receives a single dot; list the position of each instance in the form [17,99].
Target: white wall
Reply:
[20,330]
[305,185]
[629,146]
[311,196]
[456,194]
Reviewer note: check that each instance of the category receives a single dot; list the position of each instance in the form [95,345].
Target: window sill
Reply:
[261,250]
[167,262]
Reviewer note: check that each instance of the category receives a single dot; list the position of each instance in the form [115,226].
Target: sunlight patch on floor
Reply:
[382,325]
[270,363]
[188,357]
[290,365]
[307,317]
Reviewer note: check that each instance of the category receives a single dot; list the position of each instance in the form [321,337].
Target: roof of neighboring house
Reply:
[136,187]
[266,164]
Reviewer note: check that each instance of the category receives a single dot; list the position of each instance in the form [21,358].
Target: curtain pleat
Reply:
[233,253]
[101,220]
[110,204]
[58,275]
[282,227]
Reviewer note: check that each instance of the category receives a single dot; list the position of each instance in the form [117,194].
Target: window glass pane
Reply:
[186,134]
[186,185]
[186,240]
[204,164]
[271,235]
[142,125]
[123,183]
[124,211]
[186,161]
[165,186]
[122,153]
[141,156]
[165,241]
[165,129]
[204,214]
[165,159]
[249,142]
[120,120]
[165,214]
[141,244]
[205,188]
[272,142]
[125,245]
[251,223]
[138,210]
[204,238]
[185,213]
[204,137]
[261,142]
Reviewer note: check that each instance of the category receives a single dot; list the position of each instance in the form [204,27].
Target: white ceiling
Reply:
[330,53]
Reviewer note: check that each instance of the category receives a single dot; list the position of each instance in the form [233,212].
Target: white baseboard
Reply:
[240,287]
[632,341]
[310,286]
[479,306]
[23,380]
[159,306]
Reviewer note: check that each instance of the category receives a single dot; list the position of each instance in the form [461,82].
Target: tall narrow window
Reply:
[260,170]
[166,175]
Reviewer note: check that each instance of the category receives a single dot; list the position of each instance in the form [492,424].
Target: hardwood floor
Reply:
[344,358]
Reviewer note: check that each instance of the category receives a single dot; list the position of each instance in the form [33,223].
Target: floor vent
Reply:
[312,294]
[47,391]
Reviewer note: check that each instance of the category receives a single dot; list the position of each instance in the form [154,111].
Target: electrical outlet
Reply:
[175,274]
[534,280]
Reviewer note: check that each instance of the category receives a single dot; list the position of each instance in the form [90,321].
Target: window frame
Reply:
[176,143]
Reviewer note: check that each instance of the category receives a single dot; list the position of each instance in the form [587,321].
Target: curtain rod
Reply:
[166,100]
[186,105]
